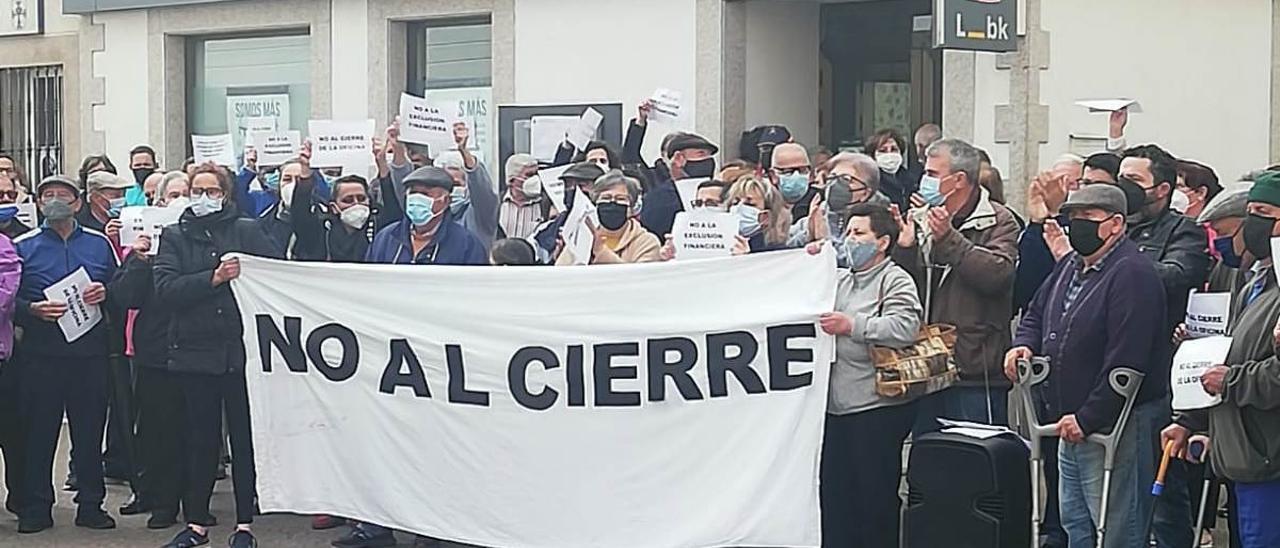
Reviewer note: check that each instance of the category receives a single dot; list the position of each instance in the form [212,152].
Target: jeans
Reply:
[860,476]
[1174,521]
[1257,504]
[1080,478]
[965,403]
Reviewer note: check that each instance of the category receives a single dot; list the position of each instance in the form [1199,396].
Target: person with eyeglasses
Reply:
[852,178]
[10,225]
[338,232]
[619,238]
[206,347]
[56,375]
[710,194]
[791,172]
[10,169]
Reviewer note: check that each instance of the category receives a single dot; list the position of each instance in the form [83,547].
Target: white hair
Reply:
[1069,158]
[163,186]
[450,159]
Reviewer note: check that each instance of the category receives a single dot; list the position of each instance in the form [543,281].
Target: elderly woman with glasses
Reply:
[619,238]
[850,178]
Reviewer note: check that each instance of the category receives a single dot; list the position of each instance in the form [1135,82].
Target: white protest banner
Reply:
[80,317]
[1194,357]
[146,221]
[585,130]
[1207,314]
[546,133]
[552,183]
[702,234]
[276,148]
[688,190]
[424,124]
[472,106]
[218,149]
[341,144]
[666,107]
[548,433]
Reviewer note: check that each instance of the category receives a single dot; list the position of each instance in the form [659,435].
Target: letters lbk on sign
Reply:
[979,25]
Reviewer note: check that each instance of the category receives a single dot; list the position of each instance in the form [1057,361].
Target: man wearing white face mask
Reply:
[338,234]
[521,211]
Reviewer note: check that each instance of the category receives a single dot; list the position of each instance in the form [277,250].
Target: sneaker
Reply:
[188,538]
[1206,539]
[162,521]
[95,519]
[359,538]
[30,526]
[242,539]
[321,523]
[135,506]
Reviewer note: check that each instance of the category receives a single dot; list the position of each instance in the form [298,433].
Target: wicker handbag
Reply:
[922,368]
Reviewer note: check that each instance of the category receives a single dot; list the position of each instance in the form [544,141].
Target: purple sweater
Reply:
[1117,320]
[10,277]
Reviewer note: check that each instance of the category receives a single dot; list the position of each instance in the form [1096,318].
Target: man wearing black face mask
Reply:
[1177,246]
[142,161]
[1100,309]
[692,157]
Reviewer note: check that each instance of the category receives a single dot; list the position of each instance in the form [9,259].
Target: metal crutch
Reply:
[1198,448]
[1031,373]
[1125,382]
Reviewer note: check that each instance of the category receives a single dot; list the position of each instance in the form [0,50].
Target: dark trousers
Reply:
[49,386]
[118,458]
[205,396]
[860,476]
[161,437]
[11,434]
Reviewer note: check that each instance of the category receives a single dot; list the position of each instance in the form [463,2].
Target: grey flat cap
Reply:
[430,176]
[1108,198]
[1233,201]
[58,180]
[99,180]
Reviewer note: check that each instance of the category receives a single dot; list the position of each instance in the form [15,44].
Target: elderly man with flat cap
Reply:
[1101,309]
[427,234]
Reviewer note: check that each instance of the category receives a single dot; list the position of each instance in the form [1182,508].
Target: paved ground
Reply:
[281,530]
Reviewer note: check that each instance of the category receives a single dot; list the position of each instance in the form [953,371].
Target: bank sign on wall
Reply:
[248,114]
[978,25]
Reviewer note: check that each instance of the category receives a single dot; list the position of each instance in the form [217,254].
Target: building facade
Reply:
[156,71]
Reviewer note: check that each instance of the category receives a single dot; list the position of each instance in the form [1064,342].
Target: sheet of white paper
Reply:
[975,433]
[554,186]
[702,234]
[666,107]
[1275,248]
[425,124]
[80,317]
[1194,357]
[1111,105]
[26,213]
[688,190]
[546,133]
[219,149]
[578,239]
[585,130]
[149,221]
[275,148]
[338,144]
[1208,314]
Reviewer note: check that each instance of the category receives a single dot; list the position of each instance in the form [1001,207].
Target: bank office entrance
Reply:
[877,69]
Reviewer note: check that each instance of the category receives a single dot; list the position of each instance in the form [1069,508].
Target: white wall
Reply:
[782,66]
[123,64]
[993,86]
[57,23]
[1202,71]
[576,51]
[350,44]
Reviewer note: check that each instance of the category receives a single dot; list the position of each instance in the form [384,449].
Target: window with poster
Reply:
[451,65]
[248,83]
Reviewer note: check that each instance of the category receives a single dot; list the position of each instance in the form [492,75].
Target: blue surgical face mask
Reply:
[748,219]
[1226,249]
[931,191]
[458,199]
[114,207]
[272,181]
[420,209]
[793,186]
[859,252]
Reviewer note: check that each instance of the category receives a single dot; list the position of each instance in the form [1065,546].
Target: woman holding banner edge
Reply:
[877,304]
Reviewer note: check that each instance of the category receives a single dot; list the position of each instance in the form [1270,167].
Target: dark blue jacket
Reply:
[1117,320]
[1035,263]
[253,203]
[661,203]
[47,259]
[280,230]
[453,245]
